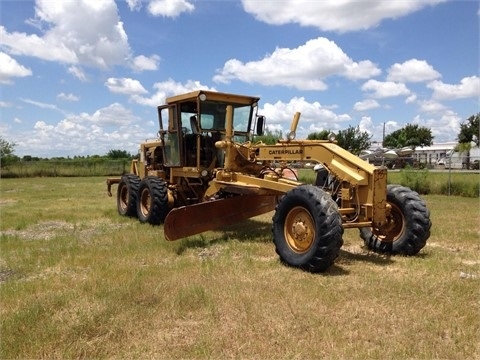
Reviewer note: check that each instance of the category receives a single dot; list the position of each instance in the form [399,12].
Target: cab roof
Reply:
[213,96]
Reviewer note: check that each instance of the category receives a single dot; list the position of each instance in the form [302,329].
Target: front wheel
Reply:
[408,225]
[152,205]
[307,229]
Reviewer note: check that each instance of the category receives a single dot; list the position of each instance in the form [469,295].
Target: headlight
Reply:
[332,137]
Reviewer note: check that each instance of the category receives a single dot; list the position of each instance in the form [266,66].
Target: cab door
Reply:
[170,135]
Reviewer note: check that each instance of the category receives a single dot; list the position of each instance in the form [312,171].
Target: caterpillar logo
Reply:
[285,152]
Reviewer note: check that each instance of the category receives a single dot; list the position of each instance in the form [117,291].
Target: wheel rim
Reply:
[145,202]
[123,198]
[299,230]
[395,225]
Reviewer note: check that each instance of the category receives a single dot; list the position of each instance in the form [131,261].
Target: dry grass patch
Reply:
[94,285]
[47,230]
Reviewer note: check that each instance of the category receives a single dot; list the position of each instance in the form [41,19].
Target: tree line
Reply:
[351,139]
[8,157]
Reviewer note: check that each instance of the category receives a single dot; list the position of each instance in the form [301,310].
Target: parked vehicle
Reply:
[205,170]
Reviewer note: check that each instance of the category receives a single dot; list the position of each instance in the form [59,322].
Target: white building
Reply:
[432,154]
[439,155]
[443,154]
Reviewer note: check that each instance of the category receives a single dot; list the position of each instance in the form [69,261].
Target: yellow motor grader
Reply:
[205,170]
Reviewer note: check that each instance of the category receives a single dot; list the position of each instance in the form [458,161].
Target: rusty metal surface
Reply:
[379,187]
[110,182]
[194,219]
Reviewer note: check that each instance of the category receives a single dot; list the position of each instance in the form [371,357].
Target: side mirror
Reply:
[260,125]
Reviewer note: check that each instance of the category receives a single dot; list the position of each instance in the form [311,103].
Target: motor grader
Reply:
[205,170]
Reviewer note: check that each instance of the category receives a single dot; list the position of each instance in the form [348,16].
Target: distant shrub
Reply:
[416,180]
[466,184]
[461,188]
[72,167]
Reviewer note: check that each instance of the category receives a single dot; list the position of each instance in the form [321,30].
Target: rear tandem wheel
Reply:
[307,229]
[152,205]
[127,193]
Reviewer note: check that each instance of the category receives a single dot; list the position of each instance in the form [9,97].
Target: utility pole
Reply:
[383,136]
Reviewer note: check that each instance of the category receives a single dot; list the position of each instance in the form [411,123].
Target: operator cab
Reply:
[191,124]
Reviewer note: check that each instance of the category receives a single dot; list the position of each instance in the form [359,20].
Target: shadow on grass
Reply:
[348,258]
[250,230]
[335,270]
[255,231]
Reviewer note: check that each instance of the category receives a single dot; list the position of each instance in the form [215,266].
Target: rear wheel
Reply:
[307,229]
[152,206]
[407,228]
[127,193]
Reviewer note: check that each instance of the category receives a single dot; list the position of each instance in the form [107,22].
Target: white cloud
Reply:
[303,68]
[114,114]
[125,86]
[166,89]
[314,116]
[78,73]
[391,126]
[412,71]
[384,89]
[134,5]
[362,70]
[165,8]
[142,63]
[100,42]
[169,8]
[4,104]
[443,126]
[431,107]
[111,127]
[411,99]
[32,45]
[67,97]
[43,105]
[10,68]
[366,125]
[469,87]
[42,126]
[333,15]
[367,104]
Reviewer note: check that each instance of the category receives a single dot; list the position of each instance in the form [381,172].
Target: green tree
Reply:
[353,139]
[118,154]
[28,158]
[269,137]
[469,130]
[411,135]
[469,133]
[320,135]
[7,150]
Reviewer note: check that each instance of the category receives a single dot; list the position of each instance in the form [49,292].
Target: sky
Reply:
[83,77]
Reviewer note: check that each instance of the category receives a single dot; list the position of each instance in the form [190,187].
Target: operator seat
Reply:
[194,125]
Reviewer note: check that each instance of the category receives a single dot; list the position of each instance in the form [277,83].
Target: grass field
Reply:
[79,281]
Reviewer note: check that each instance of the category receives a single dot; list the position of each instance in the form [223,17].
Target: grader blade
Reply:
[194,219]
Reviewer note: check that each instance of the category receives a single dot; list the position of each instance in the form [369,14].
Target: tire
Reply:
[127,193]
[408,227]
[152,205]
[307,229]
